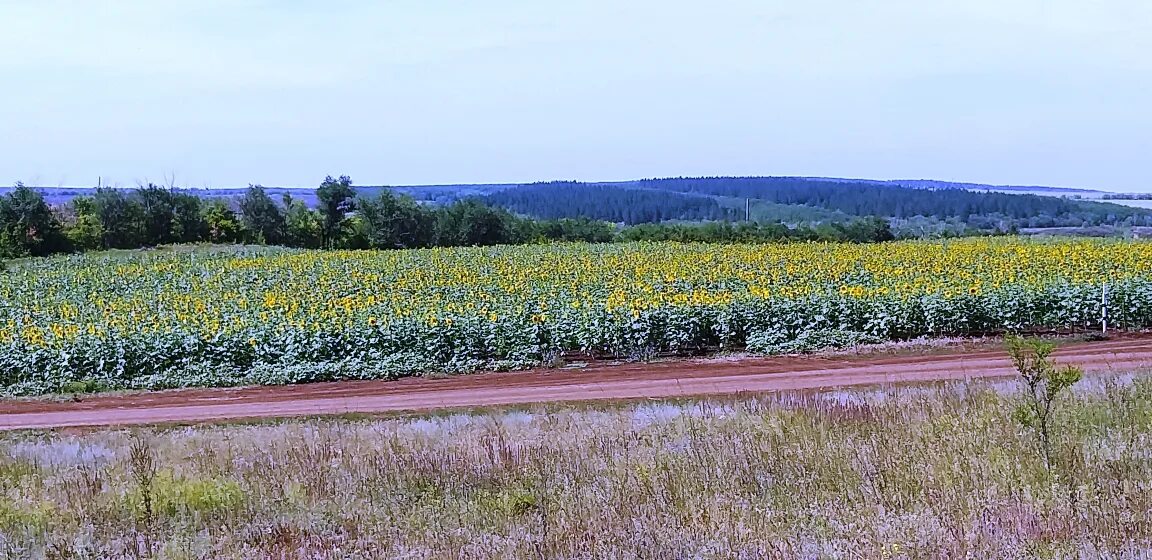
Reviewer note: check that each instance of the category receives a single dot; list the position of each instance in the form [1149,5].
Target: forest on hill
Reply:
[932,205]
[786,198]
[711,209]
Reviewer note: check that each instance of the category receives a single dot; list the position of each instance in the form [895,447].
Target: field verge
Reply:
[920,473]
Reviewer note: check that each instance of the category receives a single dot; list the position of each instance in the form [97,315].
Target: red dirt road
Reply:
[659,380]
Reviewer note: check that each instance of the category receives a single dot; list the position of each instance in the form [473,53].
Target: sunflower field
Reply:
[159,319]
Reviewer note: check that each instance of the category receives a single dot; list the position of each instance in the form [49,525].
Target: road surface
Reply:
[681,378]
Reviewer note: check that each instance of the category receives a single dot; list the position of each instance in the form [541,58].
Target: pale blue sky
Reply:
[223,93]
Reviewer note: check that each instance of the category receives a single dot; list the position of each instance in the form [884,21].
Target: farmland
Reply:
[161,319]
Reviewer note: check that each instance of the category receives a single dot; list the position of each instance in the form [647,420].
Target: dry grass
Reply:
[935,473]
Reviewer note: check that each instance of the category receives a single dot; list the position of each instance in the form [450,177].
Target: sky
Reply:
[215,93]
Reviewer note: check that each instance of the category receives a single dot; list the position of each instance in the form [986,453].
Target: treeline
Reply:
[1127,196]
[152,215]
[567,199]
[864,230]
[872,199]
[712,198]
[342,219]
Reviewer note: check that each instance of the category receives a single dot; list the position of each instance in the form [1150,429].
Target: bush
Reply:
[1044,384]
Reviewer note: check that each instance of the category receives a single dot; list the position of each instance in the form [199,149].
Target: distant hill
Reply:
[802,199]
[946,185]
[791,200]
[1011,189]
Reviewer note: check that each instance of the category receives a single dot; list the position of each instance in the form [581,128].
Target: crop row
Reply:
[170,319]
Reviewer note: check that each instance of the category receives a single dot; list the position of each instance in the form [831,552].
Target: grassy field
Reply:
[161,319]
[916,473]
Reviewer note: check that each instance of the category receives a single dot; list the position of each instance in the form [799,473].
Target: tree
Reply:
[390,221]
[471,222]
[169,216]
[1044,382]
[262,218]
[82,224]
[792,200]
[157,214]
[121,219]
[336,199]
[864,230]
[221,222]
[576,229]
[27,225]
[188,223]
[302,227]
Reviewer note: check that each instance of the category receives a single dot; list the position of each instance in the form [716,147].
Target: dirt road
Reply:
[658,380]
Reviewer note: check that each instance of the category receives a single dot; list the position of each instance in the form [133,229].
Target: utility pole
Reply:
[1104,308]
[747,209]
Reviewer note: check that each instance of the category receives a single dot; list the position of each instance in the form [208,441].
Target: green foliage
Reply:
[221,223]
[17,516]
[798,199]
[263,219]
[336,199]
[188,222]
[865,230]
[780,209]
[82,386]
[869,230]
[808,341]
[169,497]
[612,203]
[83,228]
[153,215]
[302,227]
[168,216]
[27,225]
[121,219]
[253,316]
[1044,383]
[471,223]
[576,229]
[157,214]
[13,472]
[712,232]
[390,221]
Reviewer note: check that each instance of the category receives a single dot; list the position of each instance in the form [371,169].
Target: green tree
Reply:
[82,227]
[1044,383]
[221,222]
[262,218]
[865,230]
[470,222]
[336,200]
[302,227]
[188,218]
[391,221]
[169,216]
[157,214]
[121,219]
[27,225]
